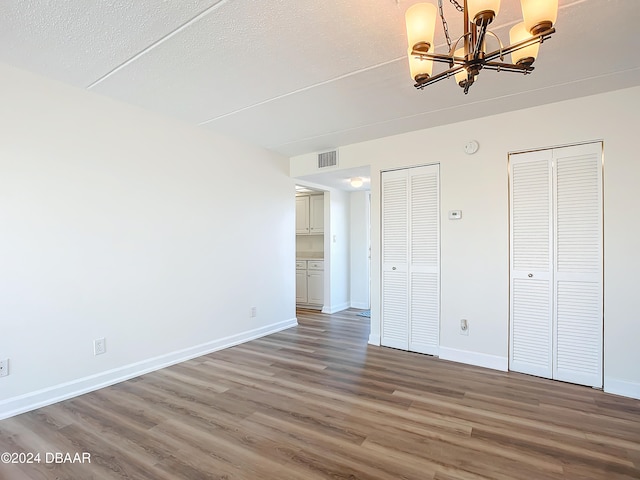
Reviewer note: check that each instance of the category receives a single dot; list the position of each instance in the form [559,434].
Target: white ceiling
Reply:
[339,179]
[298,76]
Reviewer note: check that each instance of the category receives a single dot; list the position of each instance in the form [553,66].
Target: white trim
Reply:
[494,362]
[374,339]
[335,308]
[360,305]
[47,396]
[625,388]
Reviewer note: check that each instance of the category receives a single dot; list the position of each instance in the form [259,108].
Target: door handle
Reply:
[393,268]
[530,275]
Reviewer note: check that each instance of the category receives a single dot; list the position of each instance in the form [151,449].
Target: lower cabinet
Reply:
[310,282]
[301,286]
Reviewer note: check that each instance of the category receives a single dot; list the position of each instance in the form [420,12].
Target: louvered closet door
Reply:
[411,259]
[578,319]
[395,260]
[531,334]
[556,264]
[424,260]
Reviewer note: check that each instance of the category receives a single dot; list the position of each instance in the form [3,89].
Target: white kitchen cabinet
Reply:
[301,286]
[310,215]
[315,282]
[315,287]
[316,214]
[310,282]
[302,215]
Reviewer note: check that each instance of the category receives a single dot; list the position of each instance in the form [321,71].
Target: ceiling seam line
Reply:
[158,42]
[457,106]
[299,90]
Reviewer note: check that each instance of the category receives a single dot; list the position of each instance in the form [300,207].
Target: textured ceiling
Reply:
[299,76]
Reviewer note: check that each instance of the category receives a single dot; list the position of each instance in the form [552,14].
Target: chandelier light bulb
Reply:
[421,25]
[483,11]
[418,67]
[461,76]
[539,15]
[526,55]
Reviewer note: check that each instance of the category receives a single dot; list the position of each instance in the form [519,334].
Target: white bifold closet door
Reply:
[556,264]
[411,259]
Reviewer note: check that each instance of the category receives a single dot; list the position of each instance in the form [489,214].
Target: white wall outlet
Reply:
[254,312]
[4,367]
[99,346]
[464,327]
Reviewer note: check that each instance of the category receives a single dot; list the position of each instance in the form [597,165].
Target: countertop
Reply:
[309,256]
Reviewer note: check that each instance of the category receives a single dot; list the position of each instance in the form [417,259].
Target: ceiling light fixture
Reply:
[356,182]
[466,62]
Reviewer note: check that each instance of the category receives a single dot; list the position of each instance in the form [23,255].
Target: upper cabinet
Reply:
[310,215]
[302,215]
[316,214]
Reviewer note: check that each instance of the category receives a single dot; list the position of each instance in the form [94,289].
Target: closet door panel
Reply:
[395,325]
[578,319]
[425,313]
[578,343]
[395,257]
[424,263]
[531,336]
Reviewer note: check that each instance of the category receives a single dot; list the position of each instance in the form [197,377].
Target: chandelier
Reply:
[467,56]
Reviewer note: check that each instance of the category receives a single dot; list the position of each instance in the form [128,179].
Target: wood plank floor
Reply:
[316,402]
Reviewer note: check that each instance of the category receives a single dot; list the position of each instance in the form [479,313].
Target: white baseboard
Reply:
[47,396]
[360,305]
[374,339]
[494,362]
[622,387]
[335,308]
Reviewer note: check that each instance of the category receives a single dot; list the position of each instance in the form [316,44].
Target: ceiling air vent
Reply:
[328,159]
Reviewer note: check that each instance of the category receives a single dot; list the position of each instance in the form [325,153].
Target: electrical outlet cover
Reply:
[99,346]
[4,367]
[464,327]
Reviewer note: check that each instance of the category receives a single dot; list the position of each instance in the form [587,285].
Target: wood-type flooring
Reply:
[316,402]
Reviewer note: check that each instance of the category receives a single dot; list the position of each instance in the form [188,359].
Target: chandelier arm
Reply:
[436,78]
[499,42]
[517,46]
[437,57]
[508,67]
[455,45]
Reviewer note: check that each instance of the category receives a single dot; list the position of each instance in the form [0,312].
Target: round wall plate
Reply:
[471,147]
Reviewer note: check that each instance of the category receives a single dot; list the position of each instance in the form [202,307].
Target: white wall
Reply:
[359,249]
[337,244]
[121,224]
[475,249]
